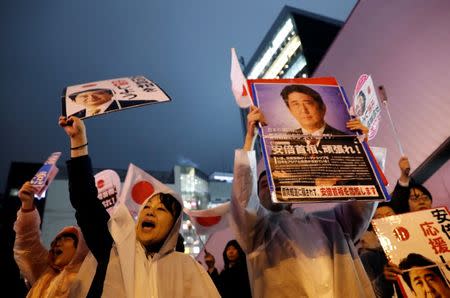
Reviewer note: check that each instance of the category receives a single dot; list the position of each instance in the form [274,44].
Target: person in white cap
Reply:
[292,253]
[134,259]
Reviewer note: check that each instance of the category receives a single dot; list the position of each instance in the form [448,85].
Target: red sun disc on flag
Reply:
[100,183]
[208,221]
[141,191]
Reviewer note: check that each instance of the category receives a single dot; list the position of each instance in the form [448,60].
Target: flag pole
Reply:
[394,129]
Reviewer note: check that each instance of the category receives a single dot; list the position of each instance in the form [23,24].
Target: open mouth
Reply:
[147,225]
[57,252]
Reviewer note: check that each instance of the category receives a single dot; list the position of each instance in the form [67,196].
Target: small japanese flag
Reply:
[139,186]
[239,83]
[211,220]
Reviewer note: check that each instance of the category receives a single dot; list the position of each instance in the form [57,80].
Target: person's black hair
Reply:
[381,204]
[417,260]
[171,204]
[207,254]
[400,196]
[301,89]
[363,95]
[174,207]
[385,204]
[74,95]
[263,173]
[180,243]
[235,244]
[362,103]
[422,189]
[66,234]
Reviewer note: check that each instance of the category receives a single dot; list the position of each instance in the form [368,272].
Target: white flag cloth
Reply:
[239,82]
[211,220]
[138,186]
[215,245]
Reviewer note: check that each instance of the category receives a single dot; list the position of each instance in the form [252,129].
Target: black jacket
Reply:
[91,216]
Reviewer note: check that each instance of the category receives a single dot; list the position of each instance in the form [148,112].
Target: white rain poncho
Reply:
[295,254]
[133,274]
[33,261]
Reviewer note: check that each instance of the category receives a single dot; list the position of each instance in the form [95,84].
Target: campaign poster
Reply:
[97,98]
[366,105]
[419,243]
[45,175]
[309,153]
[108,188]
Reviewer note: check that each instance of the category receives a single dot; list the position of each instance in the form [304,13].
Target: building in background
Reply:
[199,191]
[294,45]
[292,48]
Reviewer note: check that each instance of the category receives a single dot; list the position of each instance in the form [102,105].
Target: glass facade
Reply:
[195,191]
[294,45]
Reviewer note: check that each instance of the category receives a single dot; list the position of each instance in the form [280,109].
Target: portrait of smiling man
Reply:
[307,107]
[95,101]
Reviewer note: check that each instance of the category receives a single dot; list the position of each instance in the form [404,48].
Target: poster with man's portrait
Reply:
[419,244]
[45,175]
[108,188]
[366,105]
[97,98]
[310,154]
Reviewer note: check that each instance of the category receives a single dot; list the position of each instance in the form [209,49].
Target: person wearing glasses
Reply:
[408,195]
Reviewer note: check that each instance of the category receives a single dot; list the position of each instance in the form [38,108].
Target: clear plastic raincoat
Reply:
[293,253]
[46,279]
[129,271]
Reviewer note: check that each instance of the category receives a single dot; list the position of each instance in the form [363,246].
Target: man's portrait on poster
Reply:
[94,101]
[303,109]
[360,104]
[101,100]
[310,140]
[423,277]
